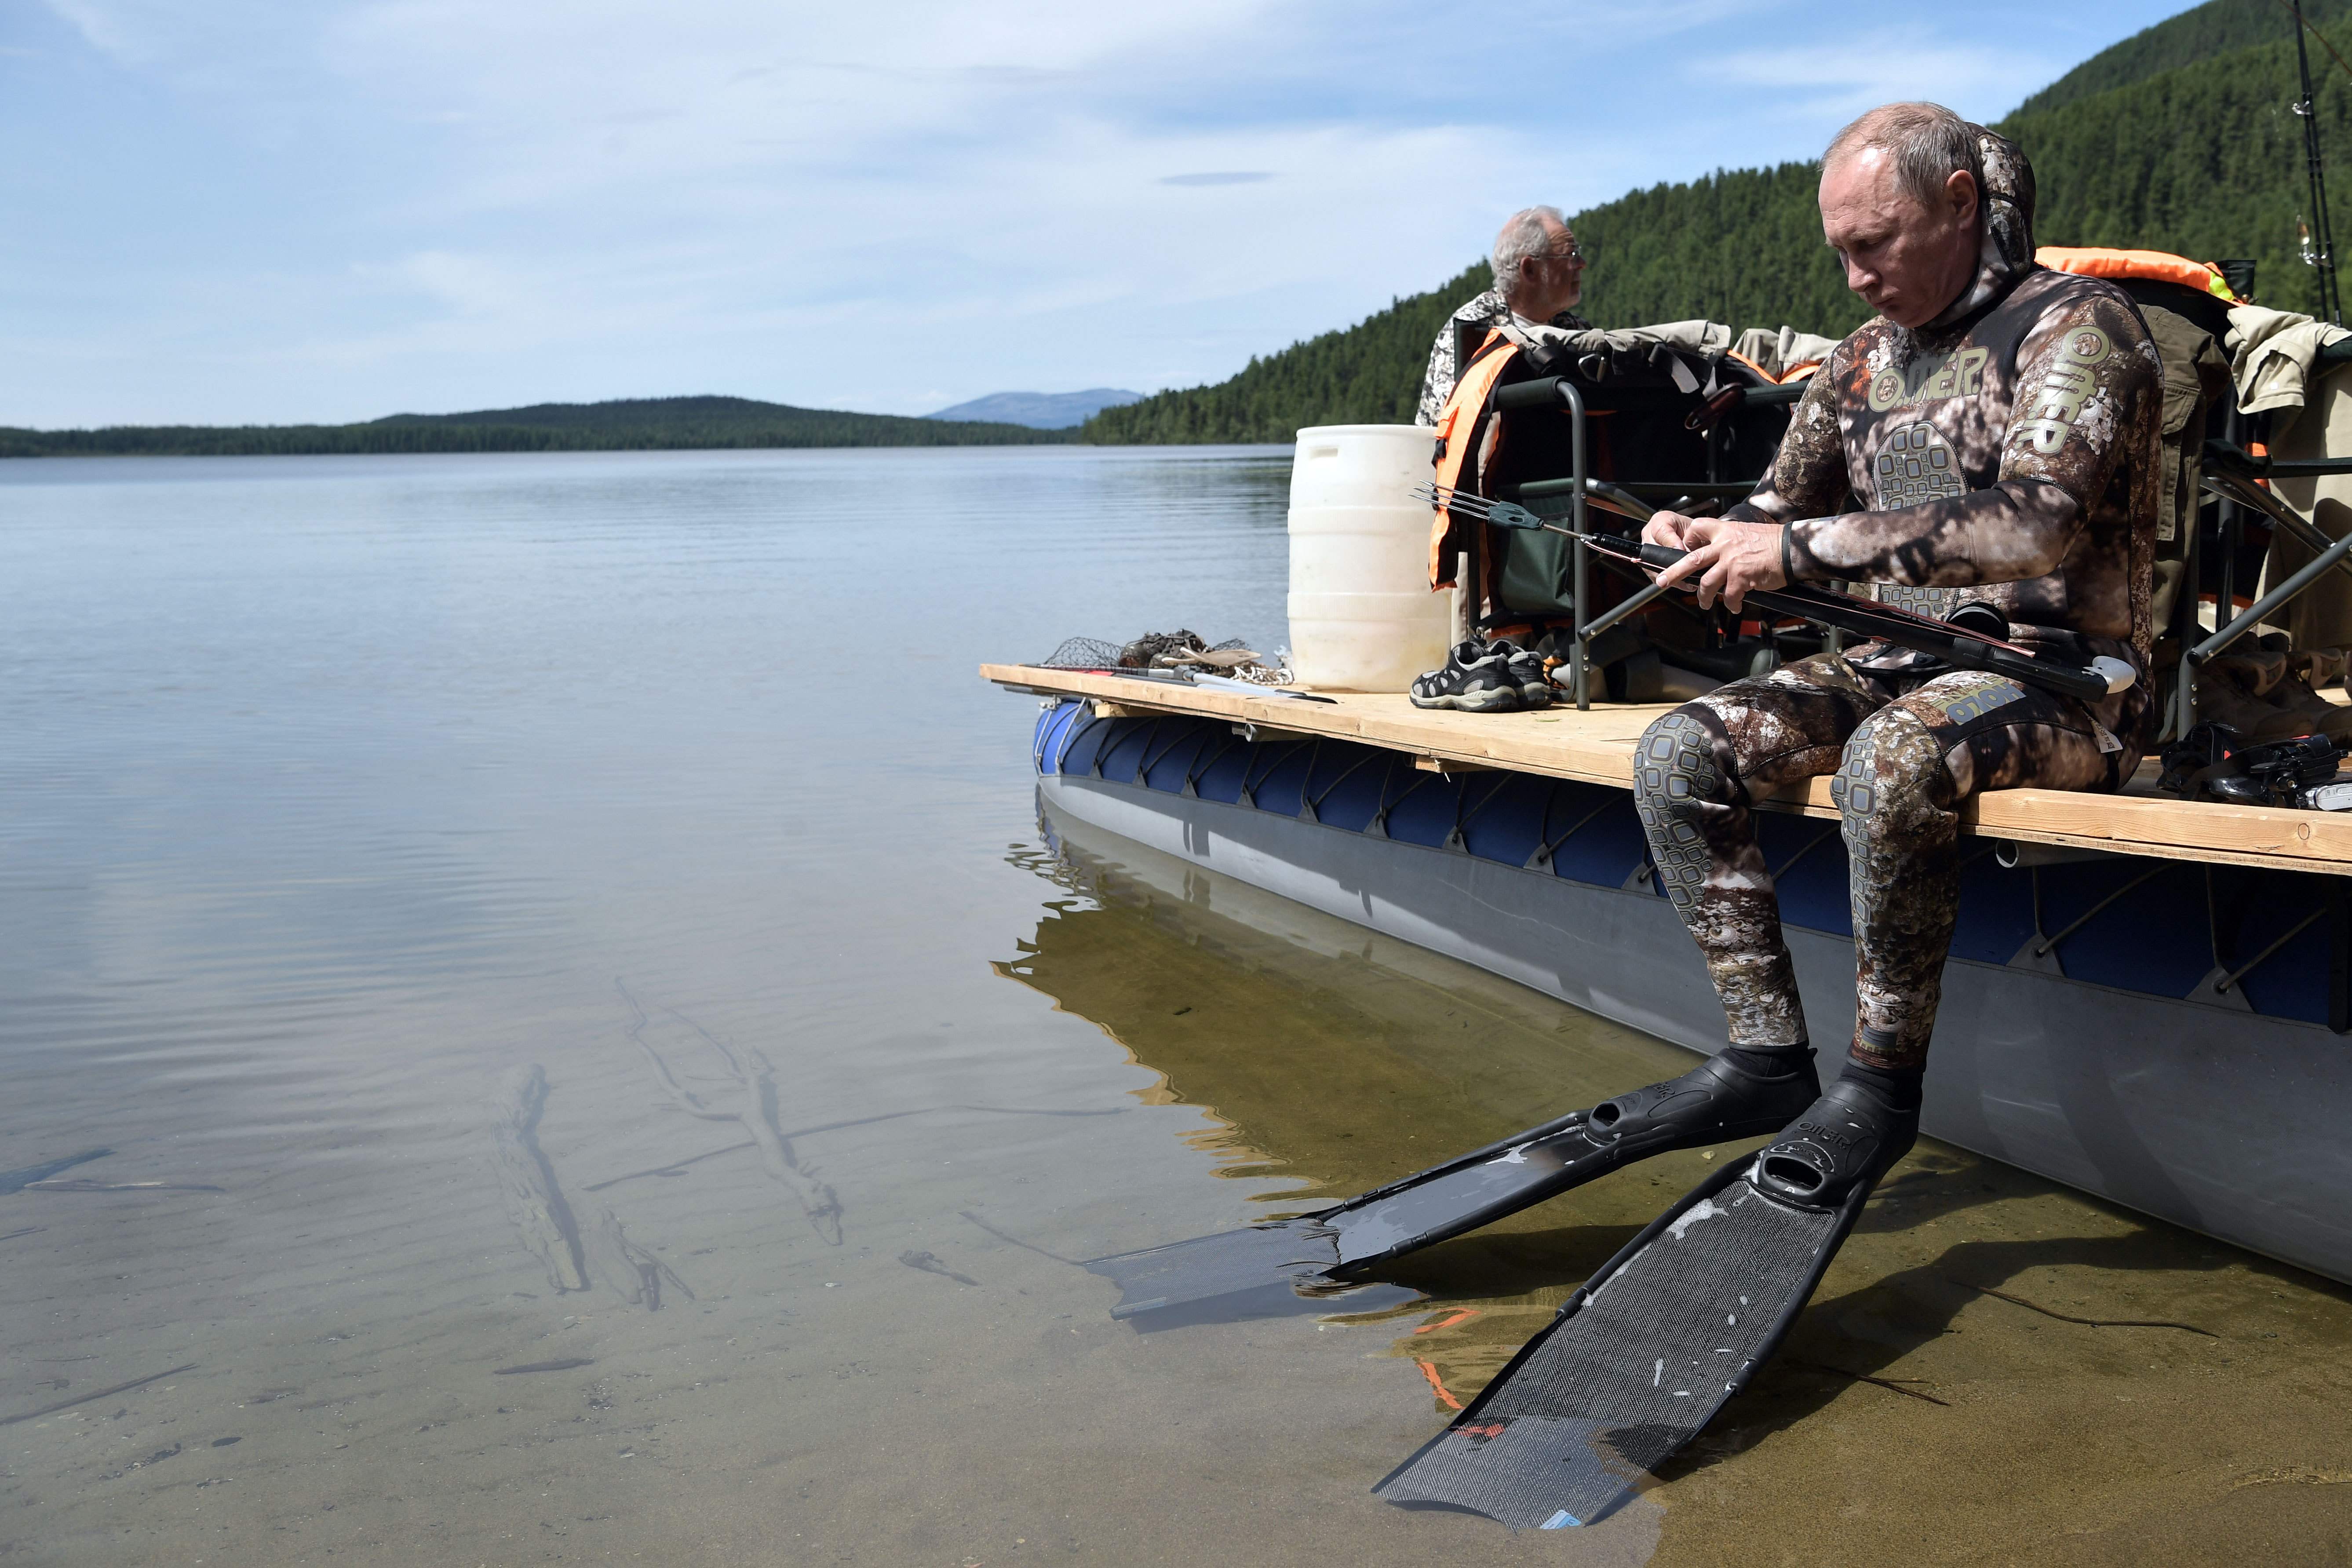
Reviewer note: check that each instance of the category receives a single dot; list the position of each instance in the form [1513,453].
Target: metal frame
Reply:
[2236,495]
[1577,487]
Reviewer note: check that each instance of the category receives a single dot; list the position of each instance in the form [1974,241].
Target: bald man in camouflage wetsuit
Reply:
[1997,428]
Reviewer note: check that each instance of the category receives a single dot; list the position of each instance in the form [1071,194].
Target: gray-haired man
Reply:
[2000,423]
[1539,281]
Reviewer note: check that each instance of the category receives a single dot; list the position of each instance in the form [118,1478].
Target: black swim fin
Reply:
[1642,1357]
[1281,1265]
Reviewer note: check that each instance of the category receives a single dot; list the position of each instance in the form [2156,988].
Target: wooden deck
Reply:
[1597,747]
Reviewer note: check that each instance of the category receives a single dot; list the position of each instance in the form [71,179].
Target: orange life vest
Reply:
[1458,425]
[2094,261]
[1797,372]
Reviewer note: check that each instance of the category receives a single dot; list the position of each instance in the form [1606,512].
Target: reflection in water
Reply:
[1337,1060]
[339,791]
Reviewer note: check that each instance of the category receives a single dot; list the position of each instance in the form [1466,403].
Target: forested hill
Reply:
[625,425]
[2180,138]
[1368,374]
[2193,36]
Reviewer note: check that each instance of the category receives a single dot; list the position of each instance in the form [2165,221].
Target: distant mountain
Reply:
[1368,374]
[1041,410]
[637,424]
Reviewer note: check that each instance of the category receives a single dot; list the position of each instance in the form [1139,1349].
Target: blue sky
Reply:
[287,210]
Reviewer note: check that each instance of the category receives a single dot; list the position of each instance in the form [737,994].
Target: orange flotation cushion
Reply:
[2095,261]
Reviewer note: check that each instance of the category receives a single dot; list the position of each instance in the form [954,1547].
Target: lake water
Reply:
[572,936]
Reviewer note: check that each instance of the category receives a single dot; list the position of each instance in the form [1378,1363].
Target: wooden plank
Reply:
[1597,747]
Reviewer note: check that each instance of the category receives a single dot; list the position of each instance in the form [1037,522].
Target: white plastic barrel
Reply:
[1363,617]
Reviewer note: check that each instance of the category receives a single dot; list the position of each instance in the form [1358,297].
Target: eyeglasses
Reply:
[1572,253]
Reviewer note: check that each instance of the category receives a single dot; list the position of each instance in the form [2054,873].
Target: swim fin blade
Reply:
[1282,1267]
[1309,1252]
[1638,1361]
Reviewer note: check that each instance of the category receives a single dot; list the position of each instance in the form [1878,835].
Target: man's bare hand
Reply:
[1667,528]
[1725,560]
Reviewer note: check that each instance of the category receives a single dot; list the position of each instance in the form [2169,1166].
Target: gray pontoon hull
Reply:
[2202,1114]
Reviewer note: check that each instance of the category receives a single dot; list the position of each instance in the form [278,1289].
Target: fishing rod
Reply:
[1953,644]
[2318,248]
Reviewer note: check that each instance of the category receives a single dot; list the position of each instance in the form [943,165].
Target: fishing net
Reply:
[1176,650]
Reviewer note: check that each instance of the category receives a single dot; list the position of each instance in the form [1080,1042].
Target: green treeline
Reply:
[624,425]
[1742,246]
[2206,161]
[2181,137]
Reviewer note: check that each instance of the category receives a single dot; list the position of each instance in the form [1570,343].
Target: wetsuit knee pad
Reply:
[1887,771]
[1674,771]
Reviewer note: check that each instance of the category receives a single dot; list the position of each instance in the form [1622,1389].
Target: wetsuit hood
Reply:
[2004,227]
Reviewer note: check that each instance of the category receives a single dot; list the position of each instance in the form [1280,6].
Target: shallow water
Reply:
[575,937]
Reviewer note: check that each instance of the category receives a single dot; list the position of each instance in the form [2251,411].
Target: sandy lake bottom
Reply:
[629,1072]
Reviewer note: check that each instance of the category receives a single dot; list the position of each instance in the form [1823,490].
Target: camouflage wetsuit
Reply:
[1482,310]
[2006,452]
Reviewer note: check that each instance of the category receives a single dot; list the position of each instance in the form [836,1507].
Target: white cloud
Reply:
[564,99]
[336,206]
[220,40]
[1846,76]
[103,28]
